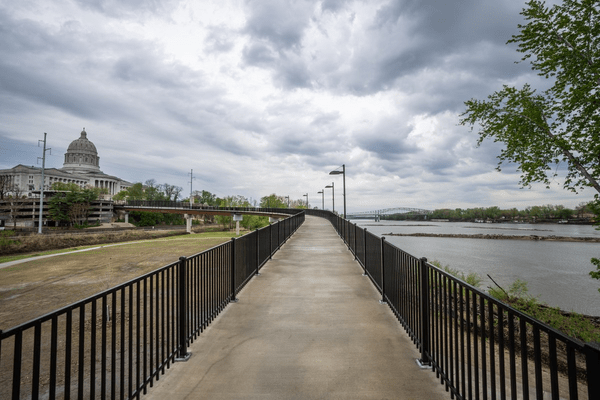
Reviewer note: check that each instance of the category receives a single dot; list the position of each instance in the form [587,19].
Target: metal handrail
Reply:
[472,341]
[118,342]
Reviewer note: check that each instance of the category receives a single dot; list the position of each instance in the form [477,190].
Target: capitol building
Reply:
[81,167]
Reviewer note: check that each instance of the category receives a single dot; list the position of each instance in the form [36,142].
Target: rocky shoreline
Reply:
[549,238]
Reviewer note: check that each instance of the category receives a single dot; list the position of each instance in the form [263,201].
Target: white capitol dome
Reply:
[81,156]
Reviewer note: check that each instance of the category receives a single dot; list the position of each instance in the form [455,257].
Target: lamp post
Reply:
[342,172]
[306,195]
[332,195]
[323,199]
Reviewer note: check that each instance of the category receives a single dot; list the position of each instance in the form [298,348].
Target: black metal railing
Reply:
[477,346]
[117,343]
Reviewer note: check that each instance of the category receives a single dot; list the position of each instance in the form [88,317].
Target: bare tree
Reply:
[78,213]
[172,192]
[14,203]
[5,185]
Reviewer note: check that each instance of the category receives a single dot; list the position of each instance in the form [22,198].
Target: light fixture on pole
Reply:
[332,186]
[323,198]
[342,172]
[306,195]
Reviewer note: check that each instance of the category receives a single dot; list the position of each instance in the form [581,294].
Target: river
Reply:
[556,272]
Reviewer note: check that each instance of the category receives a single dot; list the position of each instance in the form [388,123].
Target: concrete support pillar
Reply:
[188,223]
[126,217]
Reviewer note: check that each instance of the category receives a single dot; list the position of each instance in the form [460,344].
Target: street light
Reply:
[306,195]
[323,199]
[332,194]
[342,172]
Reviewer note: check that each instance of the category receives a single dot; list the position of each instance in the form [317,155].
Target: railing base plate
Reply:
[421,365]
[184,358]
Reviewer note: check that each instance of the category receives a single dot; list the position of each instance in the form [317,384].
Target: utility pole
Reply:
[43,181]
[191,174]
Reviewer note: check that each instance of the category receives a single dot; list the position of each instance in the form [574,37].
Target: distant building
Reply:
[81,167]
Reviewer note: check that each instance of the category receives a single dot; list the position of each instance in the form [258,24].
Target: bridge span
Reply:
[376,214]
[187,209]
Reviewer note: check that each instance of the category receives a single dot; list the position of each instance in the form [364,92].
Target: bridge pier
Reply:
[237,218]
[126,217]
[188,222]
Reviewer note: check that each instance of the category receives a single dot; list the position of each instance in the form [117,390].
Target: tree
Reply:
[562,123]
[205,197]
[171,192]
[71,204]
[134,192]
[558,125]
[6,185]
[14,203]
[273,201]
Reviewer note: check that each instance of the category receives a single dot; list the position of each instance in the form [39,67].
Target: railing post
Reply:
[382,266]
[270,241]
[592,362]
[355,242]
[365,250]
[182,353]
[233,289]
[257,252]
[424,312]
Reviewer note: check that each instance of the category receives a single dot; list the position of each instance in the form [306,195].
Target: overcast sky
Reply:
[268,96]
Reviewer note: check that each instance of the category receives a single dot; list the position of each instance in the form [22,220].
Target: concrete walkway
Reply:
[309,327]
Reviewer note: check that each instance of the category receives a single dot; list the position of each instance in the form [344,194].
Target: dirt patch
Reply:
[31,289]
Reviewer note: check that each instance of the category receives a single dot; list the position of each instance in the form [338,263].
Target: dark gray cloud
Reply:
[280,22]
[333,5]
[117,8]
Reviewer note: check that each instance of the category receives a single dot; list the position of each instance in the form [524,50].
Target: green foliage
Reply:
[72,204]
[135,192]
[494,213]
[142,218]
[471,278]
[206,198]
[572,324]
[253,222]
[560,124]
[273,201]
[5,238]
[230,201]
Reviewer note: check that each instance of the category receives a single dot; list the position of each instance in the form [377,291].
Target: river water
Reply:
[556,272]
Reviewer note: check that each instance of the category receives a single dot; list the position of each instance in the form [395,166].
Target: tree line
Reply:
[547,212]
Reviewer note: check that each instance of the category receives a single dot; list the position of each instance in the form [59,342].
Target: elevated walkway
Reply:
[309,327]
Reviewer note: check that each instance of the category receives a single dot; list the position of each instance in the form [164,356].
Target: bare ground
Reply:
[34,288]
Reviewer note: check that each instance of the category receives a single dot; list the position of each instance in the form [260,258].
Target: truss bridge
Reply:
[376,214]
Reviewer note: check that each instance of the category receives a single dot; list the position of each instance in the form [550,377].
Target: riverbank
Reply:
[549,238]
